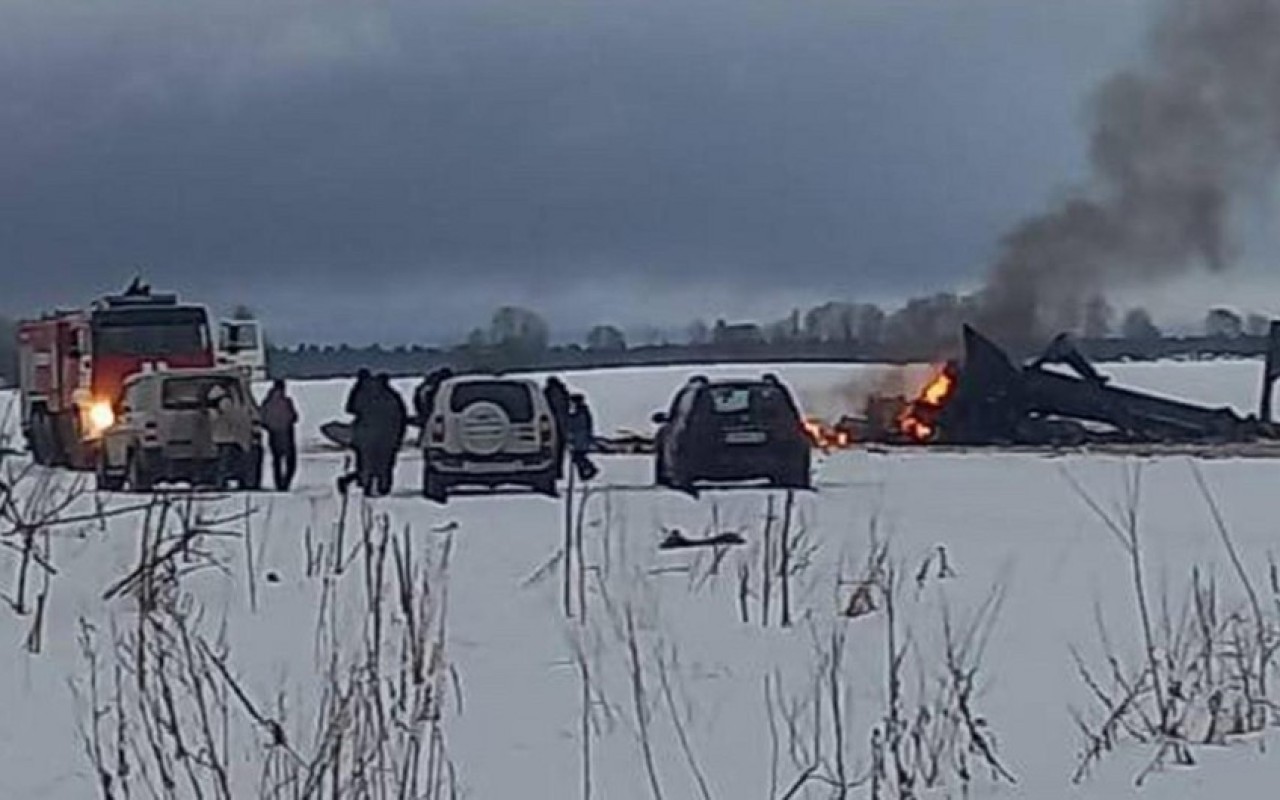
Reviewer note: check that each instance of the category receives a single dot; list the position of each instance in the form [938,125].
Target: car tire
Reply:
[228,468]
[141,475]
[41,439]
[795,475]
[251,470]
[545,484]
[679,476]
[103,479]
[434,486]
[71,449]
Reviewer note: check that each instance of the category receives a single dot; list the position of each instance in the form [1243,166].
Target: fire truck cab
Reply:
[73,364]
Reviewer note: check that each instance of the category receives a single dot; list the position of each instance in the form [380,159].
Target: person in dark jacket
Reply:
[358,396]
[357,406]
[423,398]
[557,395]
[581,435]
[388,419]
[280,418]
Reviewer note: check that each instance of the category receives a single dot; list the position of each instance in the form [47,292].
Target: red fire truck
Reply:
[72,365]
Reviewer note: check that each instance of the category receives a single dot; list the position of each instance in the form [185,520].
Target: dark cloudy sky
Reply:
[393,170]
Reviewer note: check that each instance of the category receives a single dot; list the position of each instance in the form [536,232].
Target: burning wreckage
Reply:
[987,399]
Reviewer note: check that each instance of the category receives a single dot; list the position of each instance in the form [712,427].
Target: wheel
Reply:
[545,484]
[68,450]
[227,467]
[103,479]
[434,486]
[251,470]
[141,474]
[794,475]
[73,451]
[659,468]
[206,475]
[680,474]
[40,439]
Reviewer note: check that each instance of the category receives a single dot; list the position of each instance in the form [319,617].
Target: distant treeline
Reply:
[922,330]
[327,362]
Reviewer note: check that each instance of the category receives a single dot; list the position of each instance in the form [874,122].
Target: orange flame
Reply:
[826,437]
[917,420]
[938,390]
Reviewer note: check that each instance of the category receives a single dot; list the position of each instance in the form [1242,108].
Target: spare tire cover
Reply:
[485,428]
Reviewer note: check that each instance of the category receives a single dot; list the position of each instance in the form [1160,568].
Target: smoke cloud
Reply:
[1177,143]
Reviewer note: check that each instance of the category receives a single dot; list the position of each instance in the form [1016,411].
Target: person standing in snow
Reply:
[424,398]
[280,418]
[357,406]
[388,419]
[580,432]
[557,395]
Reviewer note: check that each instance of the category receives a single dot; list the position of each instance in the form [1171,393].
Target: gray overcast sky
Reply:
[394,170]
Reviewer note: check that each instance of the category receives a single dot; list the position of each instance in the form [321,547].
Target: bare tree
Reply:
[606,339]
[1138,326]
[1223,323]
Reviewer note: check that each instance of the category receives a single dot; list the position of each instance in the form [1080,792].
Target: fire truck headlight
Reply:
[101,416]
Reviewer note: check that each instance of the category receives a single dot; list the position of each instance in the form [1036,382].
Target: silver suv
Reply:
[488,431]
[195,425]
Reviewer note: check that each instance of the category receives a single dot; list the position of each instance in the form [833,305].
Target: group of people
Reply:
[380,420]
[577,427]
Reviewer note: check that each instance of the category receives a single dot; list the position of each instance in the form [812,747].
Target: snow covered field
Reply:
[742,709]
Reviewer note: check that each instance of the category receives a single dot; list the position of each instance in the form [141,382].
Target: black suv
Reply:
[737,430]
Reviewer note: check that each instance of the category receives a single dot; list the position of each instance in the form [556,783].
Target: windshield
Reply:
[151,332]
[513,398]
[238,336]
[186,394]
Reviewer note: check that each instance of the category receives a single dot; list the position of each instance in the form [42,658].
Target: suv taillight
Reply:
[545,429]
[437,430]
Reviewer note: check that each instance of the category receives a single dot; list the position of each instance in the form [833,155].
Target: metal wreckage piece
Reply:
[996,402]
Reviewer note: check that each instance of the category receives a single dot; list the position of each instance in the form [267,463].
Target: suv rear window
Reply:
[513,398]
[731,400]
[760,400]
[186,394]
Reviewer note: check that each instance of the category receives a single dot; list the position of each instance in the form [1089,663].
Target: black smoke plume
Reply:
[1176,144]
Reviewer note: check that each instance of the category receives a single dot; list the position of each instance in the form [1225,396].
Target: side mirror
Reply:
[660,418]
